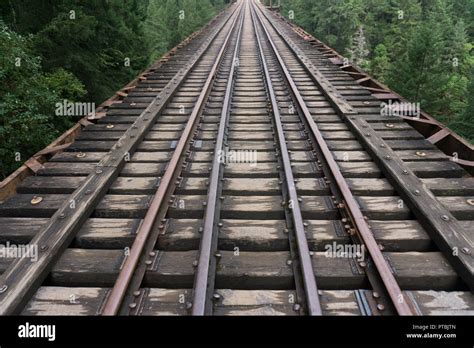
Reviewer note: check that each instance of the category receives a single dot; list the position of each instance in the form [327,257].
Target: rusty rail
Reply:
[205,274]
[309,280]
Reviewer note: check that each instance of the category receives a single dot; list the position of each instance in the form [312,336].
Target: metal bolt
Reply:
[417,192]
[296,307]
[195,263]
[470,202]
[148,262]
[218,255]
[289,262]
[362,264]
[3,289]
[381,307]
[466,251]
[44,248]
[62,216]
[132,305]
[189,305]
[216,297]
[445,218]
[36,200]
[375,295]
[136,293]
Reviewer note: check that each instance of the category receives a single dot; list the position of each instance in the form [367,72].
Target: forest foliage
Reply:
[423,49]
[79,51]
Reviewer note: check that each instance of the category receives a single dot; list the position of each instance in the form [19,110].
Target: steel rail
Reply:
[22,278]
[114,301]
[205,274]
[391,285]
[308,277]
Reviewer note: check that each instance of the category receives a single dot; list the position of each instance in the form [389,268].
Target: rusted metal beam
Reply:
[437,137]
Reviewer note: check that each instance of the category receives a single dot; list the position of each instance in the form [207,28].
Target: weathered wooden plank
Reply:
[401,236]
[443,169]
[443,303]
[249,270]
[49,185]
[94,233]
[60,301]
[121,206]
[370,187]
[461,207]
[66,169]
[384,208]
[254,186]
[451,187]
[423,271]
[359,170]
[97,268]
[92,157]
[252,270]
[259,207]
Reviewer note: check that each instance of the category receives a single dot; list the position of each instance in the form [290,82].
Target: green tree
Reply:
[359,52]
[27,101]
[380,64]
[464,124]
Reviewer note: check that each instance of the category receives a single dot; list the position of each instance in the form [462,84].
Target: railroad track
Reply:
[248,175]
